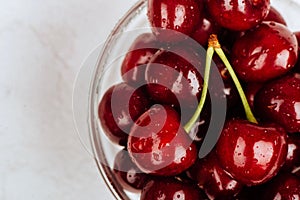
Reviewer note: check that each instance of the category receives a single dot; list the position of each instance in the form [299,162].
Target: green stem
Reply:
[247,108]
[189,125]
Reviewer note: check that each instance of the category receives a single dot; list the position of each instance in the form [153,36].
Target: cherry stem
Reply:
[236,81]
[189,125]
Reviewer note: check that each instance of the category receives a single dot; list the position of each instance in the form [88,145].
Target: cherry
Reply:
[137,57]
[128,174]
[238,15]
[180,15]
[159,145]
[292,162]
[251,90]
[117,116]
[171,189]
[279,102]
[204,29]
[173,80]
[274,15]
[252,154]
[264,53]
[297,66]
[284,186]
[211,177]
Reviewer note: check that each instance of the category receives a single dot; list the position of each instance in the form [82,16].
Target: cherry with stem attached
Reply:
[254,153]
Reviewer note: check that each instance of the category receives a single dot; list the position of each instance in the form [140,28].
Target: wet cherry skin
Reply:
[292,162]
[117,116]
[128,174]
[204,29]
[159,145]
[177,15]
[297,66]
[284,186]
[264,53]
[171,189]
[252,154]
[274,15]
[174,80]
[238,15]
[279,102]
[212,178]
[137,57]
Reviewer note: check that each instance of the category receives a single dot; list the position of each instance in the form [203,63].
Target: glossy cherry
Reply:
[238,15]
[117,116]
[279,102]
[134,64]
[174,79]
[284,186]
[274,15]
[128,174]
[171,189]
[252,154]
[204,29]
[159,145]
[292,162]
[264,53]
[297,66]
[180,15]
[212,178]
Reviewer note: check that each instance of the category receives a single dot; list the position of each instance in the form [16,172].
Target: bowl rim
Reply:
[96,143]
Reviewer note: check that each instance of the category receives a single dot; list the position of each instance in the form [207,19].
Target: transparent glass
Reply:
[102,70]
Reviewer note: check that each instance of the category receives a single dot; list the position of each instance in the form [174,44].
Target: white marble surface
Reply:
[42,44]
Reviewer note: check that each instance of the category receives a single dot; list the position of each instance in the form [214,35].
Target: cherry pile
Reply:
[161,112]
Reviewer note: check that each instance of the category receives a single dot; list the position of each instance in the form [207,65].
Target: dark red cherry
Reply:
[180,15]
[159,145]
[171,189]
[264,53]
[204,29]
[251,90]
[173,79]
[274,15]
[279,102]
[292,162]
[238,15]
[117,116]
[284,186]
[137,57]
[212,178]
[252,154]
[297,66]
[128,174]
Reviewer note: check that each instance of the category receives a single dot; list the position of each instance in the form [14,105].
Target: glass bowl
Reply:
[102,70]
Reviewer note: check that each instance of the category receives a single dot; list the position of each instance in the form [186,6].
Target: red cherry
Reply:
[264,53]
[279,102]
[137,57]
[174,80]
[238,15]
[159,145]
[274,15]
[297,66]
[128,174]
[211,177]
[251,91]
[180,15]
[292,162]
[204,29]
[171,189]
[117,116]
[285,186]
[252,154]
